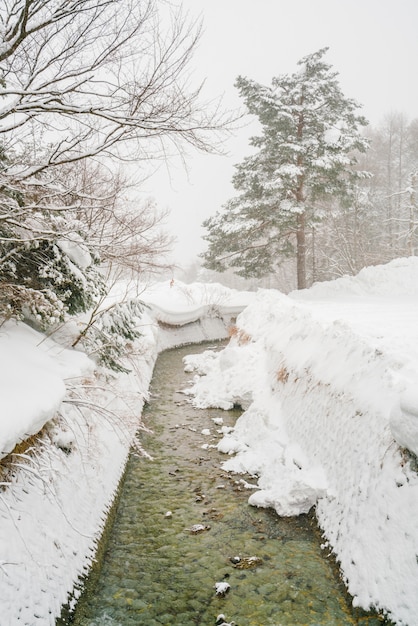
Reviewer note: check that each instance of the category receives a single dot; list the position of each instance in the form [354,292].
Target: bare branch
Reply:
[98,78]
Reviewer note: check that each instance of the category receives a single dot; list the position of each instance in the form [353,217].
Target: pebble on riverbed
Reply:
[246,562]
[197,528]
[213,514]
[222,588]
[221,621]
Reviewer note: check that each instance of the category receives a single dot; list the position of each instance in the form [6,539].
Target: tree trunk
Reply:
[301,251]
[412,212]
[301,220]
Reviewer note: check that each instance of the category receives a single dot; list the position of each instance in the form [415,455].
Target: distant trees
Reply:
[305,159]
[393,161]
[381,222]
[82,83]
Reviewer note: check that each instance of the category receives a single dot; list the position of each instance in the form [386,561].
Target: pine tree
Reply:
[304,156]
[111,335]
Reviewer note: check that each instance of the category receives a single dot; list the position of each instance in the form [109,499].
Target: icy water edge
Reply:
[181,524]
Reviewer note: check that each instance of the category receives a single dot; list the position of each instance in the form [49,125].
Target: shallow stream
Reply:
[156,570]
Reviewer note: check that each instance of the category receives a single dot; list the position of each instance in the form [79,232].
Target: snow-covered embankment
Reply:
[329,377]
[54,503]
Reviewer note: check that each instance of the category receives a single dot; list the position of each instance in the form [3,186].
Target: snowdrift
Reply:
[332,374]
[327,378]
[54,503]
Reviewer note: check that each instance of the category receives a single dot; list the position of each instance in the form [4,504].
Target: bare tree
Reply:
[88,77]
[393,160]
[126,230]
[92,78]
[84,81]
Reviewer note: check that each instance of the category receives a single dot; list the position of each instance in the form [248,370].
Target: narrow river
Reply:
[182,525]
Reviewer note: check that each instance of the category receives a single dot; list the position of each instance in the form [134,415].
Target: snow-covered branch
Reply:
[97,77]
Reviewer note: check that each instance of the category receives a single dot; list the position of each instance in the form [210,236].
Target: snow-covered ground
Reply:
[328,378]
[53,504]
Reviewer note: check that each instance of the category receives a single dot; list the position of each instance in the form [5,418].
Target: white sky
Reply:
[373,45]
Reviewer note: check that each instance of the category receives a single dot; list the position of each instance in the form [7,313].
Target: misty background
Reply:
[372,45]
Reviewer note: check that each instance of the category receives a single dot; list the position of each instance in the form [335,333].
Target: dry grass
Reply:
[22,451]
[282,375]
[242,337]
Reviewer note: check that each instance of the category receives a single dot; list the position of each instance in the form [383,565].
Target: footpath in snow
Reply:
[329,380]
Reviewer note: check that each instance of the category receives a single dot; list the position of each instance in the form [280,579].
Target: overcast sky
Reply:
[373,44]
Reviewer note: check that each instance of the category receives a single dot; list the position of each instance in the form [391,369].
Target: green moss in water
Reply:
[155,571]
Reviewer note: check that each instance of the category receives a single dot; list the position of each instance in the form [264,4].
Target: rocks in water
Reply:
[197,528]
[221,621]
[246,562]
[213,514]
[222,588]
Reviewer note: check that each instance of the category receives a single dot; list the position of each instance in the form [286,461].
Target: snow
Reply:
[327,380]
[331,374]
[288,170]
[222,588]
[53,505]
[332,135]
[32,373]
[76,250]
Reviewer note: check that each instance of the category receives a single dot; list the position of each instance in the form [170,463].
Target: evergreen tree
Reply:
[304,156]
[47,267]
[110,336]
[41,280]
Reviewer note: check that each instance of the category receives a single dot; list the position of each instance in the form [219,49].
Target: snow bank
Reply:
[32,373]
[176,304]
[192,313]
[327,378]
[332,375]
[397,278]
[54,504]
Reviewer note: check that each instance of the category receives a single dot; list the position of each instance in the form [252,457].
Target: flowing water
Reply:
[157,569]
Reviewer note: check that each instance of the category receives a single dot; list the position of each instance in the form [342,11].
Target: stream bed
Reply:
[182,525]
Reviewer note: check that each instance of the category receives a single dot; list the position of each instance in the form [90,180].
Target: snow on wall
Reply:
[336,402]
[55,503]
[206,329]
